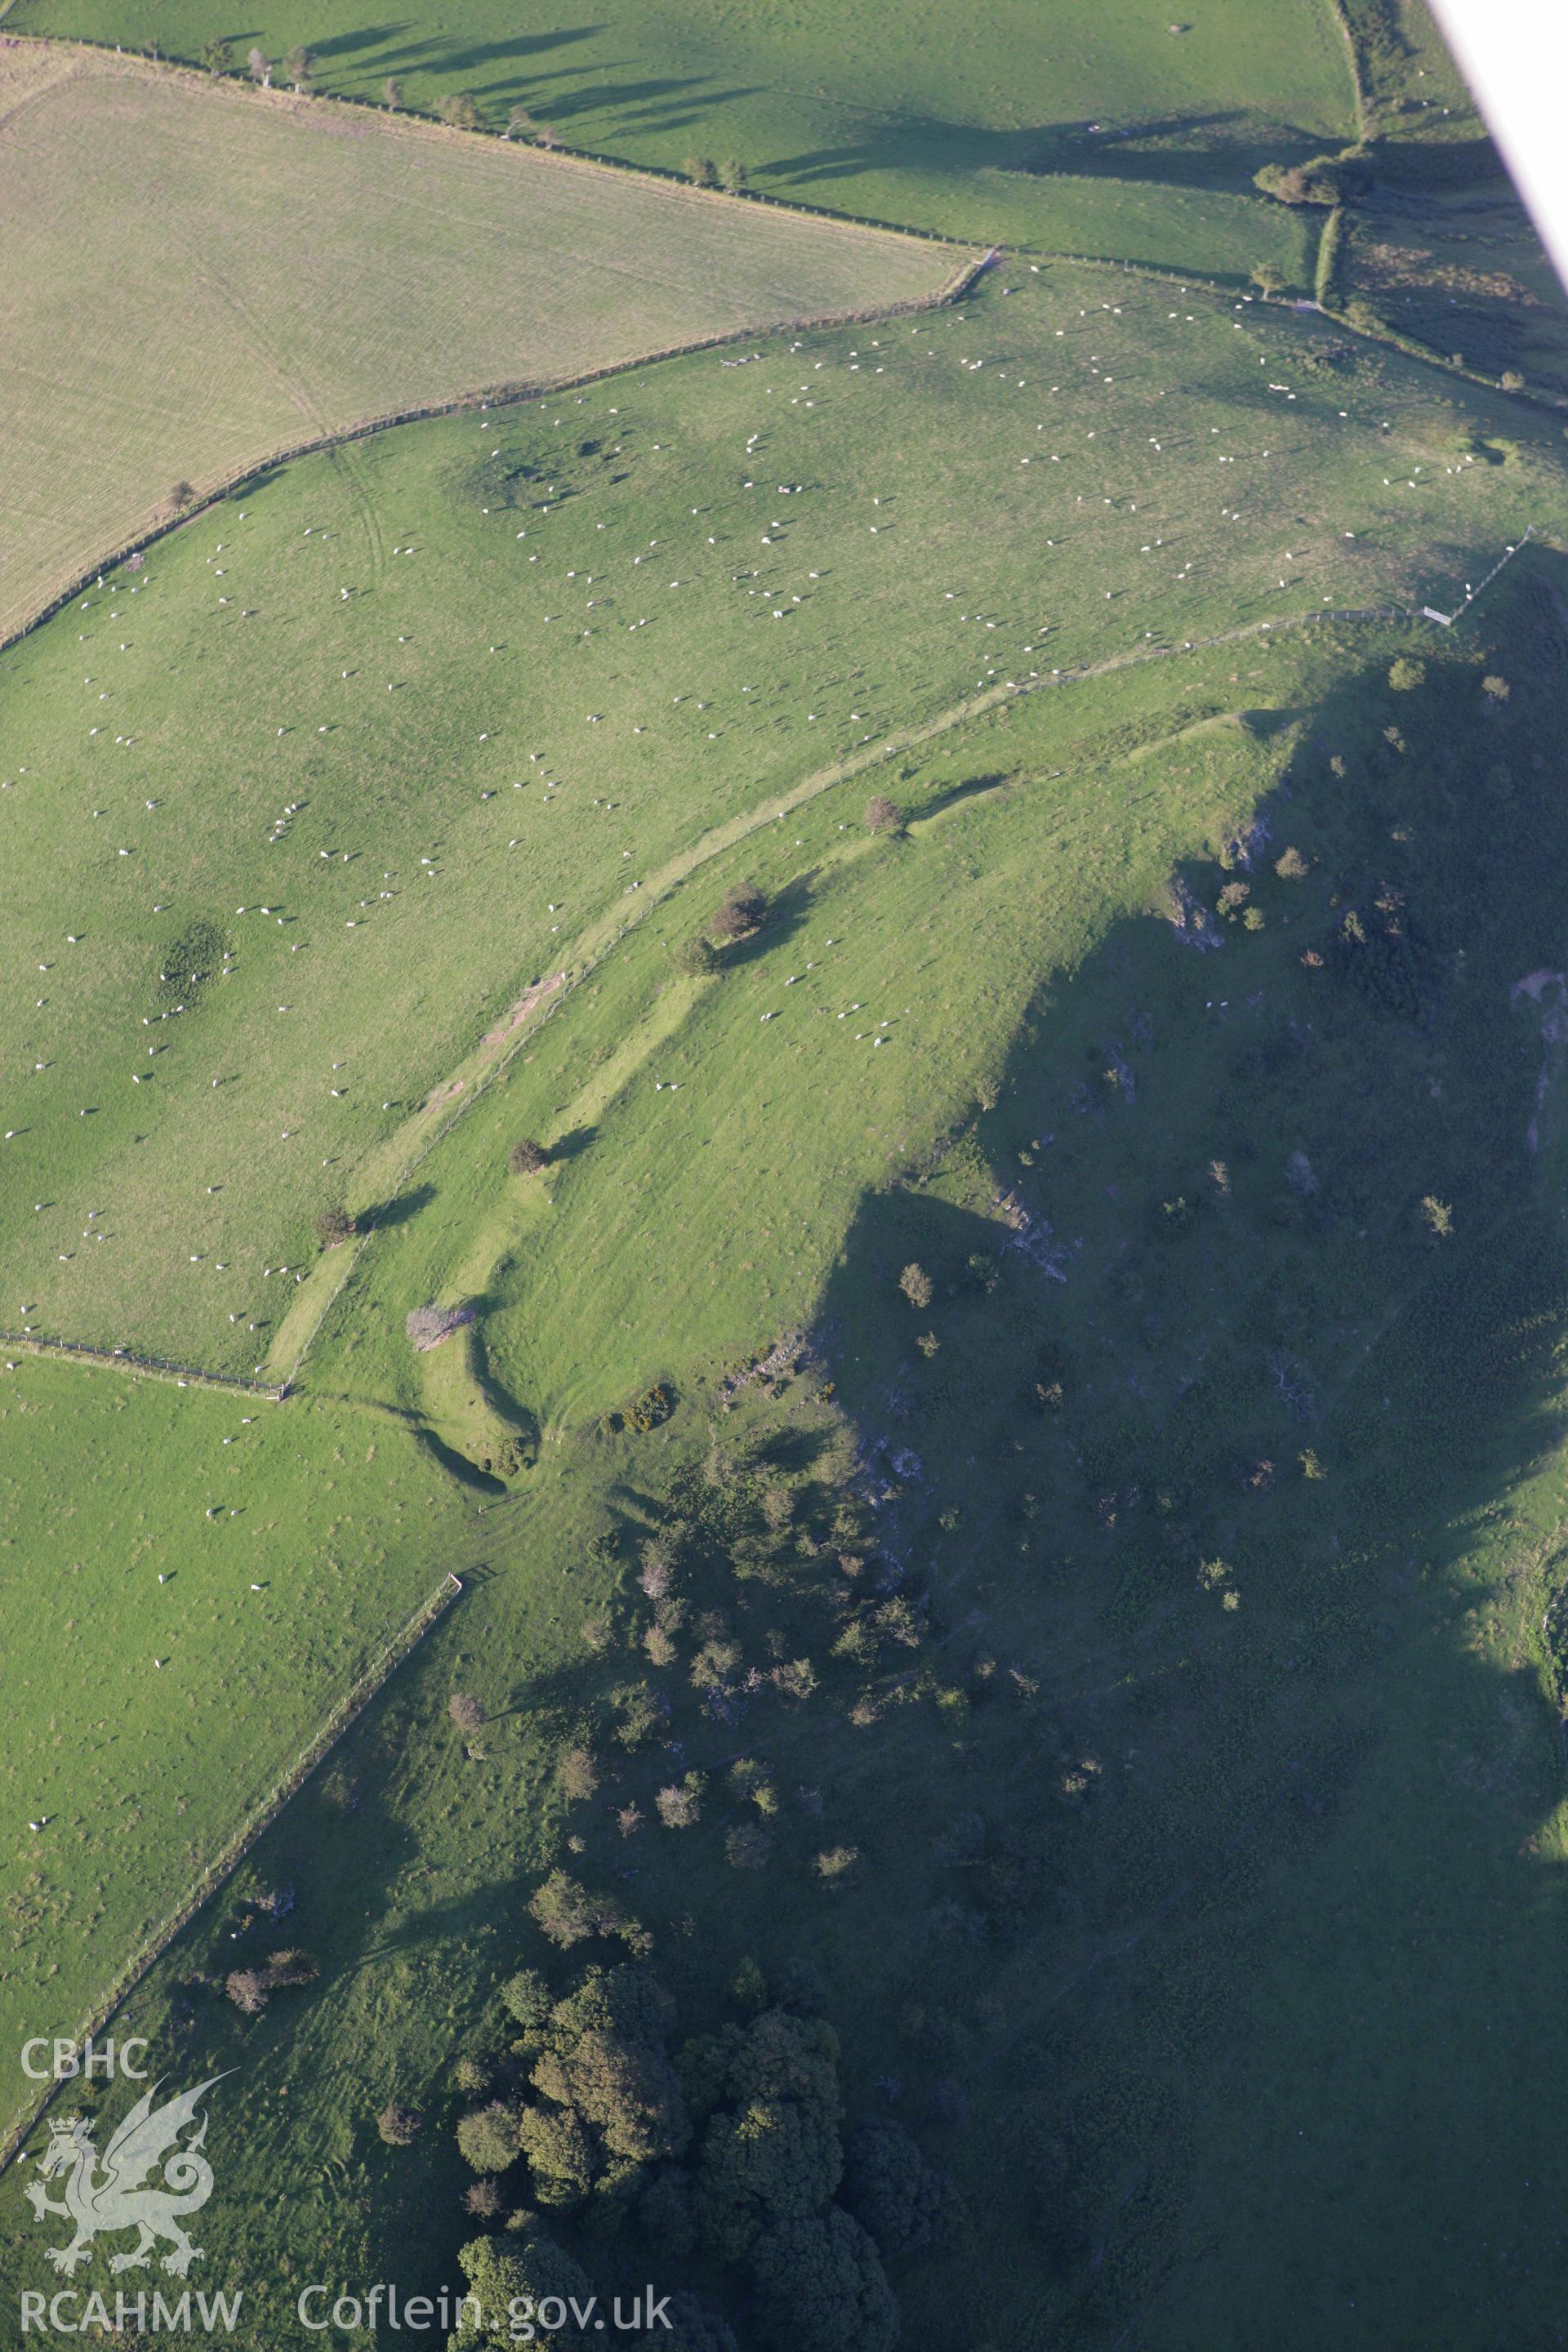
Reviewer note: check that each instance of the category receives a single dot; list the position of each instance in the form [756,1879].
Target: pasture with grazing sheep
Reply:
[839,1059]
[295,815]
[197,277]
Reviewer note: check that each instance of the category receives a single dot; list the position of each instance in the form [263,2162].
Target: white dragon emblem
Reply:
[114,2199]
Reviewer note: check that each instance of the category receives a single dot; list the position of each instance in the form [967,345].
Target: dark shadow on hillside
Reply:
[793,1452]
[501,74]
[489,1431]
[398,1210]
[262,479]
[467,1473]
[1414,165]
[448,56]
[573,1143]
[664,103]
[1205,1874]
[516,1416]
[1195,151]
[346,45]
[785,915]
[1255,1339]
[1206,152]
[1488,333]
[954,795]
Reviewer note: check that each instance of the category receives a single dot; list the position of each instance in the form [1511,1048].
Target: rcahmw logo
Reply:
[71,2313]
[150,2177]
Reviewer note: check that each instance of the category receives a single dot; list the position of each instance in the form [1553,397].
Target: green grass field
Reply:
[408,266]
[152,1692]
[682,1218]
[1023,873]
[1047,1356]
[1101,133]
[1114,1834]
[576,607]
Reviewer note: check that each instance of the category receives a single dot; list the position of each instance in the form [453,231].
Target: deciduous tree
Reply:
[742,911]
[488,2137]
[694,957]
[917,1285]
[905,2203]
[467,1712]
[819,2282]
[524,2267]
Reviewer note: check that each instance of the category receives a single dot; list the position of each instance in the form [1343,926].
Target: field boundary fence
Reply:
[233,1851]
[506,392]
[496,395]
[126,1359]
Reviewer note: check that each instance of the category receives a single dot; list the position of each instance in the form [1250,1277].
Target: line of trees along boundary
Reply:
[233,1853]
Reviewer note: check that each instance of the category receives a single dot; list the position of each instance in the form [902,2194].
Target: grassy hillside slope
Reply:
[288,269]
[1007,1469]
[1182,1732]
[190,1584]
[577,636]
